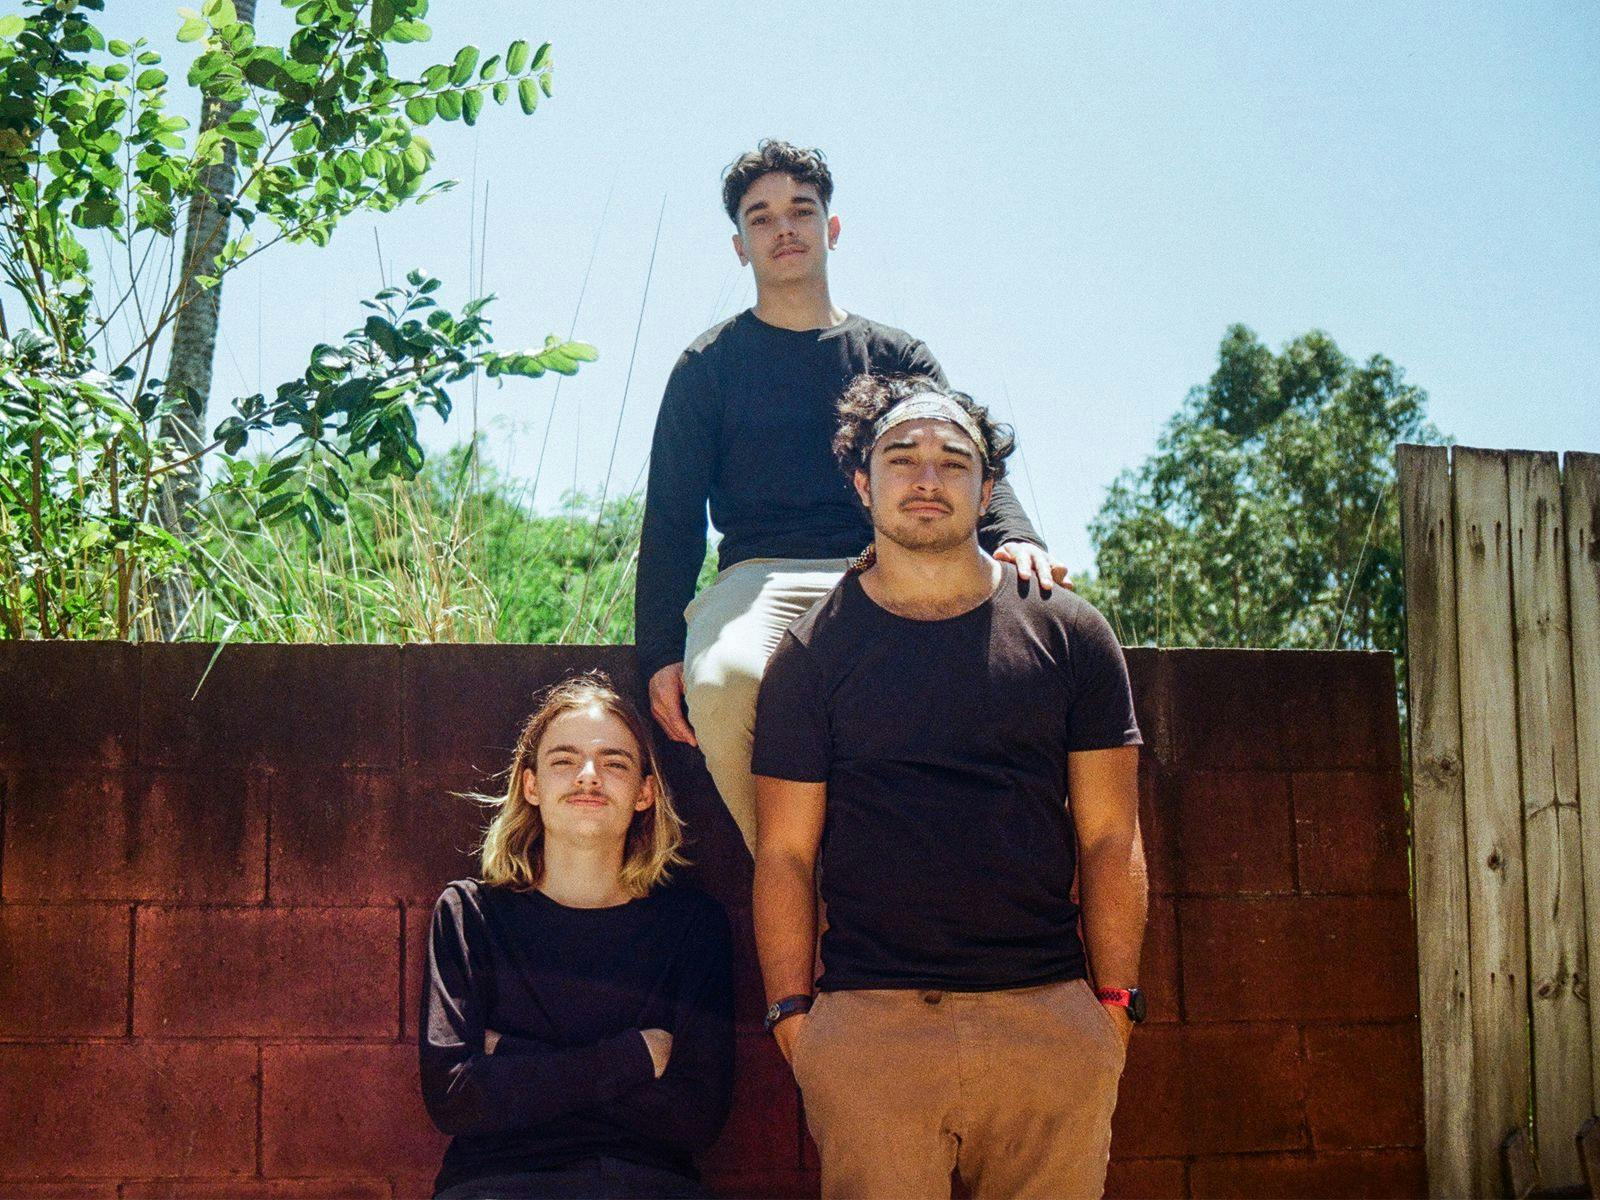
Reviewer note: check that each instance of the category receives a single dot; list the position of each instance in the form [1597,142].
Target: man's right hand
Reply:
[666,703]
[786,1031]
[659,1043]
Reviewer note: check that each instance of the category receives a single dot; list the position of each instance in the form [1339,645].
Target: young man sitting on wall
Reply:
[746,423]
[968,743]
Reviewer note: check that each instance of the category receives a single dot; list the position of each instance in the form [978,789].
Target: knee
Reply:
[722,698]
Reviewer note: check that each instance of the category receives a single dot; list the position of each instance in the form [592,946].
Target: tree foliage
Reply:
[323,128]
[1267,516]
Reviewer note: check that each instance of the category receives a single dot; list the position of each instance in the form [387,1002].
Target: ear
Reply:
[647,794]
[833,232]
[986,495]
[738,249]
[863,484]
[530,787]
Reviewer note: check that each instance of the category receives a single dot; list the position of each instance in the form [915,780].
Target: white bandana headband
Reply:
[931,406]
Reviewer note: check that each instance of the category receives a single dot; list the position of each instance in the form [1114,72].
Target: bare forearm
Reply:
[1114,891]
[785,912]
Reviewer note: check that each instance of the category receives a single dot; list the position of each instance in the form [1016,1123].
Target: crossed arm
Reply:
[476,1081]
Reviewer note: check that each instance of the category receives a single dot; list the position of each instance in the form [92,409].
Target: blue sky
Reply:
[1069,203]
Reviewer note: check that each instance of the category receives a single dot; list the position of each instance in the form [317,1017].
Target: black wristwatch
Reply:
[1130,999]
[787,1007]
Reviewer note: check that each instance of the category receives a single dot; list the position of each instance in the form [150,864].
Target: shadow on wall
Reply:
[214,908]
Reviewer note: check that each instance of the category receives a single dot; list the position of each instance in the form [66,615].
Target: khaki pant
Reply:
[734,626]
[1011,1091]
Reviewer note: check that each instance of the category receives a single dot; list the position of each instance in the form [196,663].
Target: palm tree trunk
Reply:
[194,344]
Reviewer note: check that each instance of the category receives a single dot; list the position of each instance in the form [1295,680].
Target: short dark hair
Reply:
[803,166]
[870,396]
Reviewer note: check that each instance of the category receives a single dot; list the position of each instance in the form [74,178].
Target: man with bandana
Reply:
[968,743]
[745,424]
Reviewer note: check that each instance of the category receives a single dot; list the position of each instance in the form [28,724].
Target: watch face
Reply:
[1136,1005]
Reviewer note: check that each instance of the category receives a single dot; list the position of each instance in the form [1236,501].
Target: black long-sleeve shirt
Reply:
[569,990]
[747,423]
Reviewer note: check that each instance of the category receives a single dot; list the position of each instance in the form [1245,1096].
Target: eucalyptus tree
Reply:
[1267,515]
[322,128]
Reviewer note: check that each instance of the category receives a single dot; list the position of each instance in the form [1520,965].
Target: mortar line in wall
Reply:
[5,777]
[261,1080]
[400,998]
[1305,1086]
[1175,833]
[133,933]
[1294,831]
[267,789]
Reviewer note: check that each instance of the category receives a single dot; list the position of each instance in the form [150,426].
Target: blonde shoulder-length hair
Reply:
[512,853]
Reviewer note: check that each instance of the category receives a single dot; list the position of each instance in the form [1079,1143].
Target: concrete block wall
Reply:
[216,876]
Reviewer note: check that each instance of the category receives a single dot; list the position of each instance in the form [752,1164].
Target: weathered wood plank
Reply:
[1495,879]
[1519,1167]
[1552,850]
[1589,1154]
[1438,824]
[1581,490]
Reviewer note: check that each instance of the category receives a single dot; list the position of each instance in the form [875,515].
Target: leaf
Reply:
[541,58]
[325,505]
[471,106]
[490,66]
[382,17]
[193,24]
[410,31]
[383,335]
[450,106]
[466,63]
[12,24]
[528,95]
[516,57]
[276,505]
[544,83]
[116,47]
[150,79]
[421,109]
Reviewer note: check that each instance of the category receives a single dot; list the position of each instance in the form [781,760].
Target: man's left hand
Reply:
[1034,561]
[1123,1020]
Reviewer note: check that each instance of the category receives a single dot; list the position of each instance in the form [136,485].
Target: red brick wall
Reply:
[213,909]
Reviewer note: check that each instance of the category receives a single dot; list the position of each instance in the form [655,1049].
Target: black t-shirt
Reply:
[569,989]
[948,851]
[747,422]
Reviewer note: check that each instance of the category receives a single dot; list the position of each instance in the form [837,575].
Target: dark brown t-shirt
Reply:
[948,850]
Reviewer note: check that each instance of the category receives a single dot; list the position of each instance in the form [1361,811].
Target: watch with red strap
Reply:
[1130,999]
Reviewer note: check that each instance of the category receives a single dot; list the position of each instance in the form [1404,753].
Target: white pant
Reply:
[734,626]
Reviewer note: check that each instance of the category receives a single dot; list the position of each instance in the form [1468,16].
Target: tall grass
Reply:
[459,555]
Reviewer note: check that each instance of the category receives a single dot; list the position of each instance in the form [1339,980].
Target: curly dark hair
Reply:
[870,396]
[803,166]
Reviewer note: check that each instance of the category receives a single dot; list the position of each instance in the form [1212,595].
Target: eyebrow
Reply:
[801,198]
[609,750]
[910,444]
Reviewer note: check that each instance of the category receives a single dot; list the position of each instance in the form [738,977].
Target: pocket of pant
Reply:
[801,1050]
[1110,1021]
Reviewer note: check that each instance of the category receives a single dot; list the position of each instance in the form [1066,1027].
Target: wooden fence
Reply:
[1502,584]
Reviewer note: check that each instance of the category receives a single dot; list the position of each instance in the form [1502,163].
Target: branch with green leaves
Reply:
[356,405]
